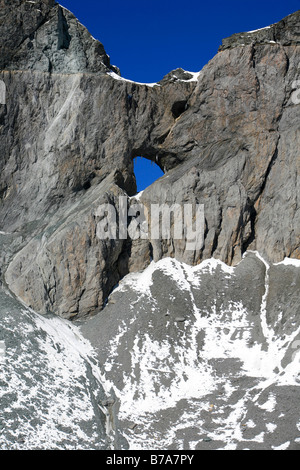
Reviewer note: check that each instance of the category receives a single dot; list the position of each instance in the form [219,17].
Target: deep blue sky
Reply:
[148,39]
[146,172]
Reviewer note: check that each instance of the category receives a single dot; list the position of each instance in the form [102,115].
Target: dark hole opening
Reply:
[179,108]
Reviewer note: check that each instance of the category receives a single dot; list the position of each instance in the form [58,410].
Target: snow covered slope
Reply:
[51,395]
[204,357]
[182,357]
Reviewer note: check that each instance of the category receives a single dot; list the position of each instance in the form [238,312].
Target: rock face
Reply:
[45,37]
[227,138]
[204,357]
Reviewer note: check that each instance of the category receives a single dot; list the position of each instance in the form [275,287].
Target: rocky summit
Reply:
[117,343]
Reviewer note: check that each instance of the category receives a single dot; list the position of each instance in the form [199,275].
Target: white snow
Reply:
[271,427]
[226,335]
[137,196]
[181,273]
[194,78]
[282,446]
[117,77]
[59,396]
[289,262]
[270,404]
[140,282]
[256,30]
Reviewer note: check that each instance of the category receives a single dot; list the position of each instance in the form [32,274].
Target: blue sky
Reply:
[148,39]
[146,172]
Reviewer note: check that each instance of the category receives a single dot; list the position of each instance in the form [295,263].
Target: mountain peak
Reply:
[286,32]
[46,37]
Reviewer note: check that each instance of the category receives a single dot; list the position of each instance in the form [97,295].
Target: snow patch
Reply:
[117,77]
[165,373]
[46,375]
[261,29]
[289,262]
[194,78]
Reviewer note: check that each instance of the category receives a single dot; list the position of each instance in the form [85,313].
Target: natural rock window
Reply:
[178,108]
[146,172]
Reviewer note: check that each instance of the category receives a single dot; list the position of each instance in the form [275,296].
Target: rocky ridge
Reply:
[286,32]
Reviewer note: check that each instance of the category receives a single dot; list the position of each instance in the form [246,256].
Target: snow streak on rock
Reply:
[50,395]
[182,357]
[200,358]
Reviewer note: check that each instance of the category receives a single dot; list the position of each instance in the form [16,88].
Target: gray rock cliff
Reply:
[204,357]
[169,347]
[226,138]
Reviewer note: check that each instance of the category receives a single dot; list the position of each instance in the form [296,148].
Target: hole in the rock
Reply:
[86,185]
[178,108]
[146,172]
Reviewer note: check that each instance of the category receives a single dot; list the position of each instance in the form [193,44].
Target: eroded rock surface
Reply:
[226,137]
[204,357]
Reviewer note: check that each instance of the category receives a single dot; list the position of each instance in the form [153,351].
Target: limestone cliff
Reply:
[226,137]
